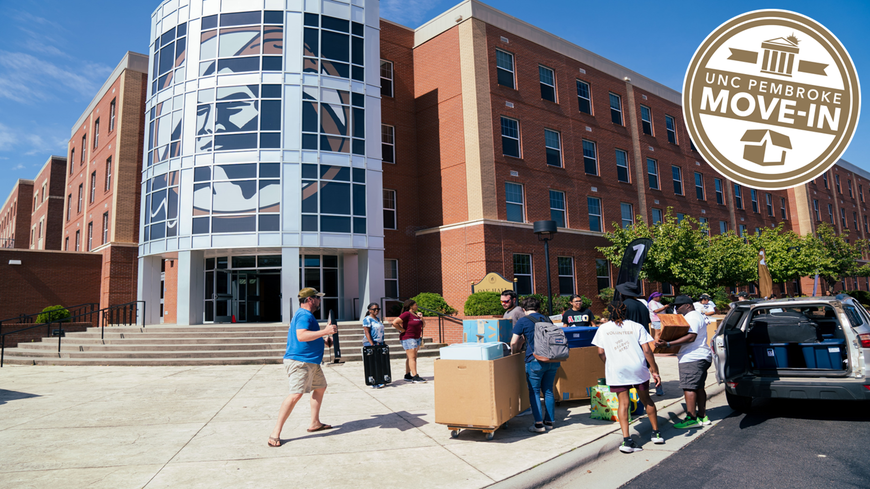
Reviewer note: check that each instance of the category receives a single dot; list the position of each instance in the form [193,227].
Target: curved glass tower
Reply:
[262,168]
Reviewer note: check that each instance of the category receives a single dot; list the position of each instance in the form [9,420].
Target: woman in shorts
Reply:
[410,324]
[373,329]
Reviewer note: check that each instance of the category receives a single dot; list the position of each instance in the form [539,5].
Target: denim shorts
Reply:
[412,343]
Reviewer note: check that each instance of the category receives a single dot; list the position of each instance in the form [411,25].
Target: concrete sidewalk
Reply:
[119,427]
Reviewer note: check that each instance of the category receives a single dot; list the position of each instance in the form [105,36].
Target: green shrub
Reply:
[53,313]
[861,295]
[606,295]
[483,304]
[433,301]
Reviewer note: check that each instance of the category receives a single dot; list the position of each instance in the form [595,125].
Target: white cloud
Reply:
[29,142]
[407,12]
[18,167]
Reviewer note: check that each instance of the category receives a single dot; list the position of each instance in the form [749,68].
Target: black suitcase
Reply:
[376,361]
[783,328]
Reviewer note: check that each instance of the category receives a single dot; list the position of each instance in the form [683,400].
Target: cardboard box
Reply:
[582,370]
[486,330]
[673,326]
[480,393]
[711,330]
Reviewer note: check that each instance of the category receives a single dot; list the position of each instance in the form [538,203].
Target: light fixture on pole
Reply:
[545,231]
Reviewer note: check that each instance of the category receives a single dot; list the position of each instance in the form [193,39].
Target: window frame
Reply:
[837,182]
[700,192]
[671,126]
[624,167]
[580,98]
[599,217]
[563,209]
[646,125]
[753,198]
[660,218]
[768,202]
[654,175]
[549,87]
[108,174]
[677,175]
[590,159]
[720,196]
[616,112]
[551,151]
[626,222]
[91,236]
[782,209]
[93,186]
[518,275]
[390,78]
[112,115]
[738,197]
[517,138]
[521,203]
[393,209]
[105,227]
[81,197]
[817,211]
[831,213]
[388,131]
[395,279]
[602,264]
[512,71]
[723,227]
[565,277]
[96,133]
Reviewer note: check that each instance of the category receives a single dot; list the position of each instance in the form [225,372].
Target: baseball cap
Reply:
[682,299]
[704,296]
[310,292]
[743,294]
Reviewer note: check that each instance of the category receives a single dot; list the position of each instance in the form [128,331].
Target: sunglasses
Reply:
[506,302]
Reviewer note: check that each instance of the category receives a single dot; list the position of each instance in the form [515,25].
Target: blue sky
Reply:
[55,54]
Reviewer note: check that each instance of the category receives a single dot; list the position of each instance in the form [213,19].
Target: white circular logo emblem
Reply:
[771,99]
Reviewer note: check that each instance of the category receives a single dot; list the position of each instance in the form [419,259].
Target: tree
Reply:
[731,262]
[833,255]
[788,254]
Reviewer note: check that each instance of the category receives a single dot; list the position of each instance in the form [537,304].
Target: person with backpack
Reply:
[625,348]
[540,365]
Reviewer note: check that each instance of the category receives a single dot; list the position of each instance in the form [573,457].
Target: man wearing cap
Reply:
[706,307]
[741,296]
[305,343]
[695,358]
[636,310]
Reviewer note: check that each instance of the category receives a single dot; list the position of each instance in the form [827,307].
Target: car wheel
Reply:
[738,403]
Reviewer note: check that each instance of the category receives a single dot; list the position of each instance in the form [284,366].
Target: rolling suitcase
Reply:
[376,361]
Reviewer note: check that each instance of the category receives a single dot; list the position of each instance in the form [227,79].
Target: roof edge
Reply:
[131,61]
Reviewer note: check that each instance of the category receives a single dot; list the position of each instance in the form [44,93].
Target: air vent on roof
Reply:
[505,40]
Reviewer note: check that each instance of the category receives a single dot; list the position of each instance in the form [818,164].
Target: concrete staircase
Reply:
[217,344]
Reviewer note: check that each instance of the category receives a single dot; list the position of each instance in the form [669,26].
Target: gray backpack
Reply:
[551,344]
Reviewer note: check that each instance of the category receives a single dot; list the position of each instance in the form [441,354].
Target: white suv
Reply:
[801,348]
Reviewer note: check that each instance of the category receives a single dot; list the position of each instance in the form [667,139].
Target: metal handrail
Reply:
[119,311]
[441,317]
[89,307]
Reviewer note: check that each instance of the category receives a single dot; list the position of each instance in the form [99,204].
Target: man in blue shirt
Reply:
[305,343]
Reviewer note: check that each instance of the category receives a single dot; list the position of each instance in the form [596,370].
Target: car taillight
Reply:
[864,338]
[733,385]
[867,387]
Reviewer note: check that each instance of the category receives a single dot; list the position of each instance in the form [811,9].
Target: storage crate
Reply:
[580,336]
[770,355]
[472,351]
[828,354]
[487,330]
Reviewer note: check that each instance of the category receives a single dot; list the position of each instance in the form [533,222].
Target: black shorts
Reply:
[693,375]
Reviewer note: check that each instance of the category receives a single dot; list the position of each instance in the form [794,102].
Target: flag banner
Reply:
[632,262]
[765,284]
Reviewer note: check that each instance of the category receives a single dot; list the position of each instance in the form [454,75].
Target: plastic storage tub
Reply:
[486,330]
[770,355]
[825,355]
[580,336]
[472,351]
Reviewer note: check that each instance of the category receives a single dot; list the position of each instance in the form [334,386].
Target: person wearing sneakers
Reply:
[624,347]
[305,343]
[695,357]
[410,324]
[655,307]
[373,329]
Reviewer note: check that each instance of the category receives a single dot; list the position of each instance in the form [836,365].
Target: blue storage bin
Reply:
[580,336]
[487,330]
[770,355]
[828,354]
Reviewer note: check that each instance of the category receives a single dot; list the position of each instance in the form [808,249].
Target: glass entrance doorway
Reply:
[246,296]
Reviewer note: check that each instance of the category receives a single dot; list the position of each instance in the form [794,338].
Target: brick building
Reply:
[46,220]
[102,190]
[15,216]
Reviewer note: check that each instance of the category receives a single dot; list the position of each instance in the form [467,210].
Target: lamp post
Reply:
[545,231]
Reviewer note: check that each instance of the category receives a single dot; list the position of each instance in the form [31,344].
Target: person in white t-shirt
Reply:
[695,358]
[624,347]
[706,307]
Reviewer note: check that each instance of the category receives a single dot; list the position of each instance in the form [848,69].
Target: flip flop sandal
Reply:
[319,428]
[274,442]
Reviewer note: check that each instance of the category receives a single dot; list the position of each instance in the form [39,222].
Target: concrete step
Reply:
[160,344]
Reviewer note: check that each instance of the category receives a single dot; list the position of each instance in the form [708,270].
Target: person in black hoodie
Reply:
[636,310]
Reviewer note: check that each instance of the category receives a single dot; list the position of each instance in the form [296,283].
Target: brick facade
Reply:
[46,220]
[15,216]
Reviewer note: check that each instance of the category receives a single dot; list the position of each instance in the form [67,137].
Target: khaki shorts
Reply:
[304,377]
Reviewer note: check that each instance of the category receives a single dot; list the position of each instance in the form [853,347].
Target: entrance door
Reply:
[223,297]
[246,297]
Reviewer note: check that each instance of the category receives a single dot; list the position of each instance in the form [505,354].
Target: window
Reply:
[825,179]
[652,169]
[590,158]
[333,200]
[557,208]
[510,137]
[602,271]
[678,179]
[553,143]
[68,207]
[84,148]
[43,192]
[72,160]
[386,78]
[831,213]
[548,83]
[105,227]
[757,231]
[93,186]
[79,208]
[66,243]
[594,205]
[96,133]
[692,145]
[753,196]
[861,192]
[622,174]
[656,215]
[680,217]
[78,240]
[718,184]
[704,225]
[389,209]
[843,218]
[855,221]
[672,129]
[667,289]
[816,210]
[112,116]
[388,143]
[738,197]
[768,199]
[566,274]
[108,174]
[332,120]
[723,227]
[90,235]
[849,184]
[504,63]
[627,215]
[391,278]
[865,224]
[699,186]
[615,109]
[741,230]
[837,181]
[646,120]
[523,273]
[584,97]
[514,202]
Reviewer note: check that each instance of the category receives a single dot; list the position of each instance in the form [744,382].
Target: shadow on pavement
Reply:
[808,409]
[6,396]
